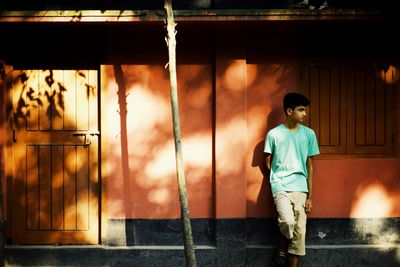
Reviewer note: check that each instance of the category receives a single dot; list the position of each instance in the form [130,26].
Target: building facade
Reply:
[87,143]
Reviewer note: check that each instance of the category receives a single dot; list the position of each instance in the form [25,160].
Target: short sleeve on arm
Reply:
[312,145]
[269,144]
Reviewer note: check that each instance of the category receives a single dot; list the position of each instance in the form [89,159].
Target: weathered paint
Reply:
[152,175]
[248,103]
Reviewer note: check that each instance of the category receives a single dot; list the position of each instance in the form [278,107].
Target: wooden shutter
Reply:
[324,85]
[352,108]
[370,110]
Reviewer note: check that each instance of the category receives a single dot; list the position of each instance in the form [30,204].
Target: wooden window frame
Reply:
[344,126]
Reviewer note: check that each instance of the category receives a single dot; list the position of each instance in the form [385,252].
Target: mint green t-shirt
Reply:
[289,152]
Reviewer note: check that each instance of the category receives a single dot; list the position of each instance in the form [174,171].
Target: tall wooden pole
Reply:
[187,229]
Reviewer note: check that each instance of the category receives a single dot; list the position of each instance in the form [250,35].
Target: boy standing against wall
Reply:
[290,148]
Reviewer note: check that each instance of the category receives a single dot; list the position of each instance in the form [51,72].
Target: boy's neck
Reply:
[291,124]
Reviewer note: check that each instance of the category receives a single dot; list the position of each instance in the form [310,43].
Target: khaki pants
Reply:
[292,219]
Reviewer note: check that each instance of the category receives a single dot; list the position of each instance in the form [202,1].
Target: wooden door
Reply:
[55,157]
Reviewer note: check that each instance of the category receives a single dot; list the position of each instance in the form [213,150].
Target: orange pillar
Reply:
[230,125]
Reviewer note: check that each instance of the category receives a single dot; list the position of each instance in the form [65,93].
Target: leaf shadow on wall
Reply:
[142,175]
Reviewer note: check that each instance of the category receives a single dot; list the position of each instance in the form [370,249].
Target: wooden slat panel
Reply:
[328,106]
[70,187]
[360,106]
[314,99]
[343,111]
[70,100]
[57,188]
[93,184]
[57,110]
[82,188]
[44,187]
[45,109]
[304,89]
[32,181]
[324,87]
[360,146]
[390,100]
[48,208]
[93,110]
[335,113]
[33,100]
[370,107]
[83,93]
[351,113]
[380,96]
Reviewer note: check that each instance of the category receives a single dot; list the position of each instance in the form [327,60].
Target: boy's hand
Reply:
[308,205]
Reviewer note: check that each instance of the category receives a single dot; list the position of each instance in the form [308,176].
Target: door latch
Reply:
[86,139]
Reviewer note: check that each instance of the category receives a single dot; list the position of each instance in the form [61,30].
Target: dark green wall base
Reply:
[238,233]
[329,256]
[224,242]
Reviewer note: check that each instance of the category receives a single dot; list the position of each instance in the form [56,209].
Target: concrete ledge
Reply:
[257,256]
[104,256]
[334,256]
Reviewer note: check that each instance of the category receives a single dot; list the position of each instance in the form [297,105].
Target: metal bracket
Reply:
[86,140]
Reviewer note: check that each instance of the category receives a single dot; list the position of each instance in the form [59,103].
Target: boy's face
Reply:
[297,114]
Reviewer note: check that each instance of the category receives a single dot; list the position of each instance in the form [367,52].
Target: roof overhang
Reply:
[146,16]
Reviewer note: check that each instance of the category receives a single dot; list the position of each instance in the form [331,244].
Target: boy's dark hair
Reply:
[293,100]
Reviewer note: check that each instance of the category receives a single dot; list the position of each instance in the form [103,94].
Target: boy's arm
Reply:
[268,161]
[310,171]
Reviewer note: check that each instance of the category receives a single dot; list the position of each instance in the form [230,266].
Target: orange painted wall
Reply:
[150,189]
[248,100]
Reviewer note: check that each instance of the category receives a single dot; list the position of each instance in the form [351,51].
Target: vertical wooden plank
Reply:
[93,216]
[305,89]
[314,99]
[44,187]
[82,100]
[57,110]
[304,79]
[32,191]
[44,109]
[32,100]
[360,106]
[93,110]
[390,100]
[351,113]
[70,187]
[57,187]
[324,91]
[370,106]
[343,110]
[82,185]
[335,112]
[380,95]
[70,100]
